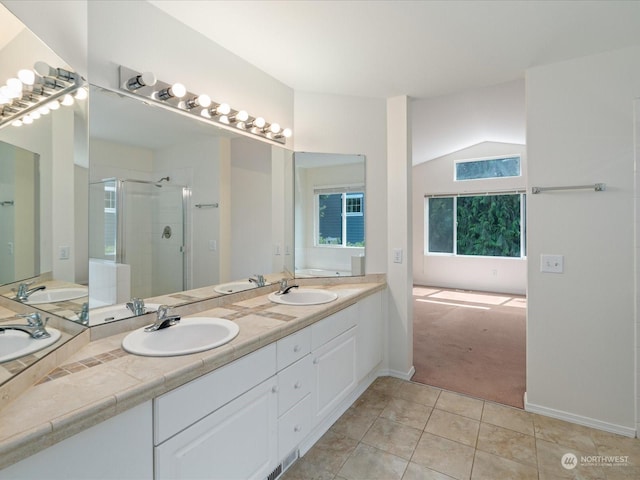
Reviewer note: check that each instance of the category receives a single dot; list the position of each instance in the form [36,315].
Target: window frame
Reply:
[523,227]
[486,159]
[345,191]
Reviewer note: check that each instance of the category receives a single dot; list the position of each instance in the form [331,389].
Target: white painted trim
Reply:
[395,373]
[579,419]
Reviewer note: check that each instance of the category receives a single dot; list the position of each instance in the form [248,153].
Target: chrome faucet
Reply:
[83,315]
[136,305]
[259,280]
[35,326]
[22,294]
[163,320]
[285,287]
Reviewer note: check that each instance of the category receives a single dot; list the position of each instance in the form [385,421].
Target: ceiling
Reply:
[417,48]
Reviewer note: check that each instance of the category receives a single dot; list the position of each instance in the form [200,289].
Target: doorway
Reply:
[471,342]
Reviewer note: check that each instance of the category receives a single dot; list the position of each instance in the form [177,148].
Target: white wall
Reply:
[446,124]
[503,275]
[581,324]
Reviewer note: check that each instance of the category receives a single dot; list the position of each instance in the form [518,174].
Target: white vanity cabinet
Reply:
[369,338]
[334,361]
[222,425]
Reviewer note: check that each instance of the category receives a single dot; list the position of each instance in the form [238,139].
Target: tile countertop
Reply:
[101,380]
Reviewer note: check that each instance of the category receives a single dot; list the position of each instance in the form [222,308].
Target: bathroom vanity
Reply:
[246,409]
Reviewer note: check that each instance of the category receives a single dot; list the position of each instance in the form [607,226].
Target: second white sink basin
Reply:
[57,295]
[304,296]
[234,287]
[191,335]
[15,344]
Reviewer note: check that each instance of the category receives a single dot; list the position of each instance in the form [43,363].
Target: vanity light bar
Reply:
[34,92]
[176,96]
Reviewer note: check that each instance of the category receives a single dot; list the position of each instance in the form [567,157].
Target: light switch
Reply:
[64,253]
[551,263]
[397,255]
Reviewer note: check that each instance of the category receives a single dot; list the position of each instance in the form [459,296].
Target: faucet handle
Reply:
[34,319]
[162,312]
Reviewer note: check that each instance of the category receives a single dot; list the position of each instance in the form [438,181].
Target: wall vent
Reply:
[289,460]
[276,473]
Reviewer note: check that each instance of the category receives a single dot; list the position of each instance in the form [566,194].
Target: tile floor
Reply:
[409,431]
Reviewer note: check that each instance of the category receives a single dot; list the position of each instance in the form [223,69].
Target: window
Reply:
[487,168]
[110,220]
[340,218]
[489,225]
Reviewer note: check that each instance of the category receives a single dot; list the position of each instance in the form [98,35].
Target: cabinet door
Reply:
[369,334]
[237,441]
[334,372]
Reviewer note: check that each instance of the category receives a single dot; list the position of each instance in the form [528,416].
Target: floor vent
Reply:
[276,473]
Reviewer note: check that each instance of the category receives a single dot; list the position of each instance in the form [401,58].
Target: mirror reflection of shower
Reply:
[130,246]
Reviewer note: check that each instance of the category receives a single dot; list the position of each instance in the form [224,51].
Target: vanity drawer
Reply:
[294,382]
[332,326]
[294,426]
[293,347]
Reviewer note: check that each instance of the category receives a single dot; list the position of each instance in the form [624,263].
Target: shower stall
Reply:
[138,228]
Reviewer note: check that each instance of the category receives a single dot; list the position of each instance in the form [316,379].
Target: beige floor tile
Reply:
[444,456]
[460,405]
[418,472]
[491,467]
[408,413]
[369,463]
[508,444]
[331,451]
[415,392]
[454,427]
[393,437]
[564,433]
[612,444]
[372,401]
[508,417]
[304,470]
[387,385]
[550,461]
[354,423]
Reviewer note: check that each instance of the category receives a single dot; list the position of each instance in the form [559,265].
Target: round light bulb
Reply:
[274,128]
[4,100]
[14,84]
[205,113]
[286,133]
[178,90]
[53,105]
[81,94]
[16,123]
[8,92]
[42,68]
[67,100]
[35,115]
[148,78]
[204,101]
[44,110]
[27,120]
[28,77]
[242,116]
[223,109]
[259,122]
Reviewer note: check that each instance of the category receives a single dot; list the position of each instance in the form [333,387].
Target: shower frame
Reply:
[121,227]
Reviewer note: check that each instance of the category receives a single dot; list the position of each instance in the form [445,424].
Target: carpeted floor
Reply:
[470,342]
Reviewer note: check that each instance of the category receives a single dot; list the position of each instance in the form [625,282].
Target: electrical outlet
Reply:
[213,245]
[397,255]
[551,263]
[276,249]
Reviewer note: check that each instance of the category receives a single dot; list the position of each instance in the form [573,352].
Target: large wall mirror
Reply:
[43,194]
[179,210]
[329,215]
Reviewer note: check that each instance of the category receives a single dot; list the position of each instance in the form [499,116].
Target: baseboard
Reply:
[398,374]
[579,419]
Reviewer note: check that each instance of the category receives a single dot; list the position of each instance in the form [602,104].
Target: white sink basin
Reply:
[57,295]
[304,296]
[191,335]
[15,344]
[116,312]
[234,287]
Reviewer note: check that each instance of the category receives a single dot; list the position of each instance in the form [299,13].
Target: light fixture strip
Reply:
[185,104]
[4,120]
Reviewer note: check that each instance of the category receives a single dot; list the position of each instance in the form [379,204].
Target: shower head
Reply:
[163,179]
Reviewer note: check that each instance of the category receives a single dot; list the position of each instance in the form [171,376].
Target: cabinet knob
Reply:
[297,385]
[297,428]
[296,348]
[274,389]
